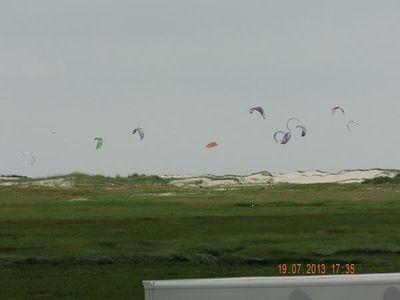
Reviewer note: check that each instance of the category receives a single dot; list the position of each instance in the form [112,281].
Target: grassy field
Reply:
[100,238]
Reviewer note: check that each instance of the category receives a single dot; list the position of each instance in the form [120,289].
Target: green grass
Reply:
[53,246]
[384,180]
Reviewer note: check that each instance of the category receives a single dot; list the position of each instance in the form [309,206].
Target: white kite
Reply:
[30,156]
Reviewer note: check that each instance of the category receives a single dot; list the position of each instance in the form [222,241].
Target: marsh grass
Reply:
[54,248]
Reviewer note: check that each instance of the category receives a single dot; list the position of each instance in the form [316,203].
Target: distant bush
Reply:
[383,180]
[14,176]
[100,180]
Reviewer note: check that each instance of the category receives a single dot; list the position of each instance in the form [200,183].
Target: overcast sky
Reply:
[188,72]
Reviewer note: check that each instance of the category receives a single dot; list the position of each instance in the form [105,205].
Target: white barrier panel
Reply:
[328,287]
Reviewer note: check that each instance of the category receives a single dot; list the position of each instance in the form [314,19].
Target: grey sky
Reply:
[188,72]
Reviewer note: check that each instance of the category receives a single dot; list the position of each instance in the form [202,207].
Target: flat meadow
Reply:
[100,237]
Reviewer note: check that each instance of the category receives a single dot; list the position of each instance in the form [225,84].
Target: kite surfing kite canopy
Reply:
[30,156]
[286,138]
[259,109]
[212,144]
[350,123]
[99,142]
[140,131]
[276,136]
[292,119]
[303,130]
[337,108]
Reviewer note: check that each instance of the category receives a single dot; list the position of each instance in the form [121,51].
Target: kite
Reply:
[303,130]
[212,144]
[352,122]
[30,156]
[140,131]
[286,138]
[337,108]
[99,142]
[276,135]
[291,119]
[259,109]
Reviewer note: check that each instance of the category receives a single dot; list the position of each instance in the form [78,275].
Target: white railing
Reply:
[327,287]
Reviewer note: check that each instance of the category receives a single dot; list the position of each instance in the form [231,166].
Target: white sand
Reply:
[56,183]
[228,181]
[352,176]
[219,181]
[265,178]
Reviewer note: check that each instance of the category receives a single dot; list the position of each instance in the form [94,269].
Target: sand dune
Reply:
[51,182]
[214,181]
[266,178]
